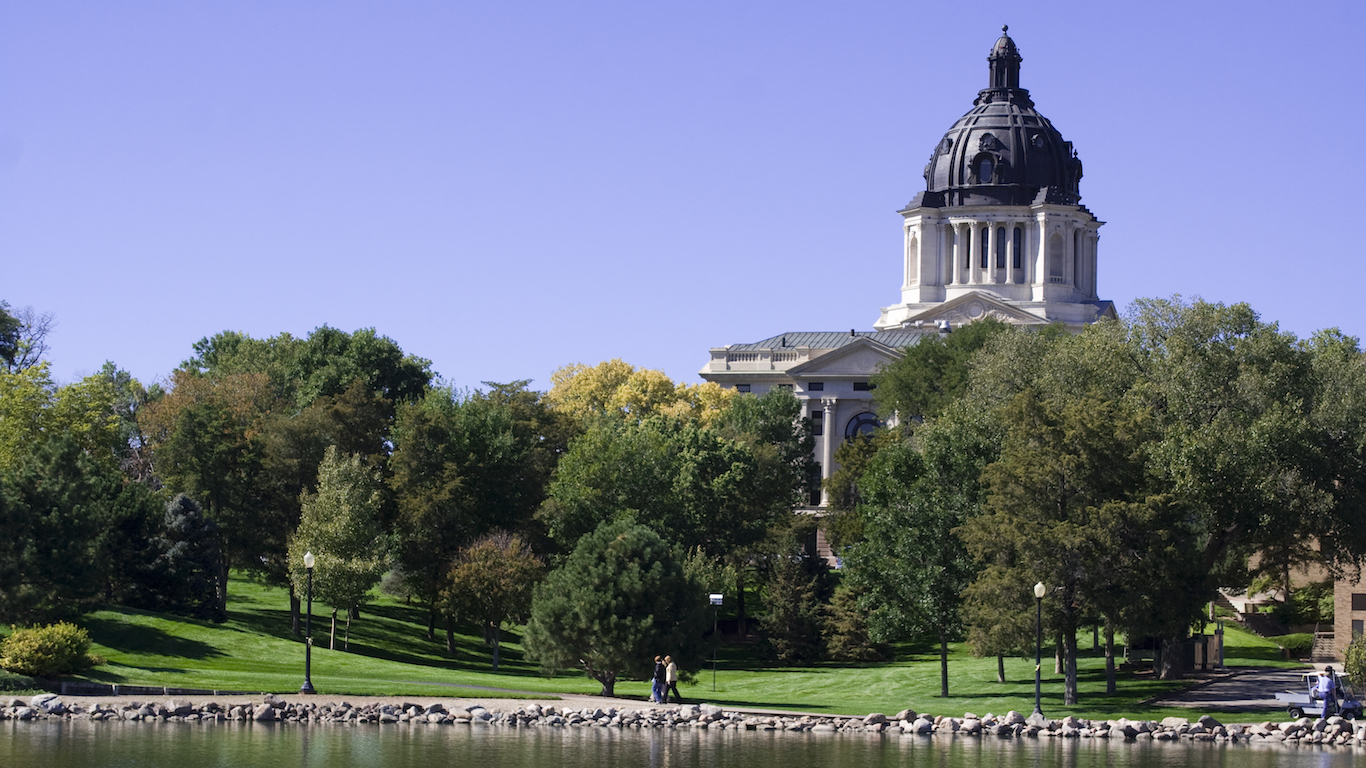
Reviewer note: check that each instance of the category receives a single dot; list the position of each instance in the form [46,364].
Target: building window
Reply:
[815,386]
[1000,247]
[982,245]
[862,425]
[741,387]
[1356,627]
[786,387]
[984,168]
[1019,246]
[1358,601]
[863,386]
[813,484]
[818,423]
[1055,258]
[967,249]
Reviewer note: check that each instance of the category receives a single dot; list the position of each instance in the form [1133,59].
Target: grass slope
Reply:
[390,655]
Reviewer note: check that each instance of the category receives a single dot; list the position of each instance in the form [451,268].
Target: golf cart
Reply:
[1303,703]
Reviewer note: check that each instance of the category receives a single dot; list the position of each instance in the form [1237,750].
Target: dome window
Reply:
[1000,247]
[985,166]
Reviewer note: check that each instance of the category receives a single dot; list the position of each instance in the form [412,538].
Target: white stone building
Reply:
[999,231]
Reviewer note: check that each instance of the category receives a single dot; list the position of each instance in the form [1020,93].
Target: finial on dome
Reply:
[1004,62]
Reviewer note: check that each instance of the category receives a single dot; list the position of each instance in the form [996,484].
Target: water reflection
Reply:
[118,744]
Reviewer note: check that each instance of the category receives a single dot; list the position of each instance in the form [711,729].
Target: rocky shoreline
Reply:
[273,709]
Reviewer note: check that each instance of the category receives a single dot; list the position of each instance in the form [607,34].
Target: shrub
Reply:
[1354,660]
[1298,645]
[56,649]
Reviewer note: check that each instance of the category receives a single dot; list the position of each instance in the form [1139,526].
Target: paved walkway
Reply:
[1250,689]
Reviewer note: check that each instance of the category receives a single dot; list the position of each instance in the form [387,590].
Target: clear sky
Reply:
[506,187]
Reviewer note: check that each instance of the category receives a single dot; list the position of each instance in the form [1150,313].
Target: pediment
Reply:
[974,306]
[859,358]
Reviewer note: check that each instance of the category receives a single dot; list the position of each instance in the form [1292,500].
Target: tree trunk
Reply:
[431,622]
[332,635]
[1000,668]
[354,613]
[293,612]
[943,665]
[1109,657]
[450,635]
[1057,653]
[609,683]
[1169,658]
[1069,695]
[346,638]
[222,595]
[497,639]
[740,602]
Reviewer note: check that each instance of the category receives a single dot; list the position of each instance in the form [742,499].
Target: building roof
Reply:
[834,339]
[1002,152]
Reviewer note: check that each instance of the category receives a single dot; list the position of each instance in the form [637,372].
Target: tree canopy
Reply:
[620,599]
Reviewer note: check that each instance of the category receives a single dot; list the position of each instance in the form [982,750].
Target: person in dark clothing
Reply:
[657,689]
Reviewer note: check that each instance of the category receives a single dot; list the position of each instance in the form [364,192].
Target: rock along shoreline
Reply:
[1334,731]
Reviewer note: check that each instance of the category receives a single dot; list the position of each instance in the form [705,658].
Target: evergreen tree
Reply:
[621,598]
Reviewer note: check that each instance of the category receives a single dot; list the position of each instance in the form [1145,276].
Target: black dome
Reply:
[1002,152]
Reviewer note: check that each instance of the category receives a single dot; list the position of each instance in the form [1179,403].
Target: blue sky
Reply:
[508,187]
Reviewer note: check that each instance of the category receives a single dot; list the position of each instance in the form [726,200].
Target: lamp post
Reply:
[715,599]
[1039,591]
[308,628]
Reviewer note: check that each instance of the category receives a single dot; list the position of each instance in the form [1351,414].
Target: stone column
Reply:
[991,246]
[831,406]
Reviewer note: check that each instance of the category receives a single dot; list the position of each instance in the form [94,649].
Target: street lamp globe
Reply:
[309,560]
[1039,589]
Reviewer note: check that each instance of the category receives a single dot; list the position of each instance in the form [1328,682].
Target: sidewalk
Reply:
[1250,689]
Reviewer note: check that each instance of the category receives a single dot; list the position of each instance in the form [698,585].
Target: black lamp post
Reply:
[715,600]
[1039,591]
[308,629]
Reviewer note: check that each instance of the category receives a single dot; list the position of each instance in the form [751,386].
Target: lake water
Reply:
[85,744]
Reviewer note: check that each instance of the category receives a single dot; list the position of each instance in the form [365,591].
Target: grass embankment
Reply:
[390,655]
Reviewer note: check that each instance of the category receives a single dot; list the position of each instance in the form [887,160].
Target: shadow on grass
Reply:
[125,636]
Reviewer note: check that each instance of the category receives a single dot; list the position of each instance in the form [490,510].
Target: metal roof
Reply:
[835,339]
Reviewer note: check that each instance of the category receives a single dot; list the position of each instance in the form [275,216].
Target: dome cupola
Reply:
[1002,152]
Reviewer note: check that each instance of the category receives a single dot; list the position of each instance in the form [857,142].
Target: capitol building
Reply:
[999,231]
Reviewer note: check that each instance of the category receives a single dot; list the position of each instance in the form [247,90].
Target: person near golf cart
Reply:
[1326,692]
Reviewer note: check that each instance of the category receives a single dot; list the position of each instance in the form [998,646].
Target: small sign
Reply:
[716,598]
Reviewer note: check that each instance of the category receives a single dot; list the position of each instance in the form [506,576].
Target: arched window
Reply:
[967,249]
[984,169]
[982,245]
[1018,242]
[1055,258]
[1000,247]
[862,425]
[1076,257]
[912,260]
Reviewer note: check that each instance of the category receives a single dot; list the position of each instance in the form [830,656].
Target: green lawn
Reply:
[390,655]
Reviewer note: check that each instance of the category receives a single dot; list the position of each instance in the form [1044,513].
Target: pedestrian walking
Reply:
[671,680]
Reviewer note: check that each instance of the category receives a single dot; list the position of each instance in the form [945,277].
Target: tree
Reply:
[912,565]
[491,582]
[341,526]
[458,467]
[620,389]
[796,592]
[187,563]
[621,598]
[51,505]
[23,337]
[933,373]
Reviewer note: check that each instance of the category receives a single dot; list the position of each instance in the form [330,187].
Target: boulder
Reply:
[179,708]
[905,714]
[264,713]
[1172,723]
[875,718]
